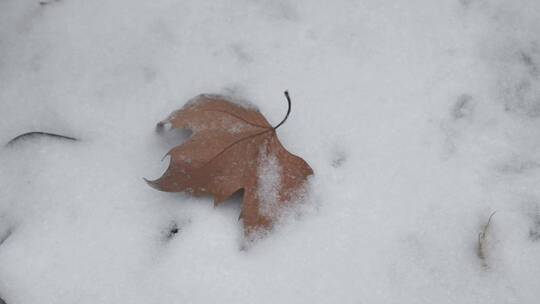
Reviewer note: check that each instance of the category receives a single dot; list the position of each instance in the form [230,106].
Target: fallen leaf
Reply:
[233,147]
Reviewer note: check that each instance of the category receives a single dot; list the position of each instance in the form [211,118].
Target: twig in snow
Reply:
[38,134]
[482,242]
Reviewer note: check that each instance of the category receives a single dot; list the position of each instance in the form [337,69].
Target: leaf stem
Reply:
[288,110]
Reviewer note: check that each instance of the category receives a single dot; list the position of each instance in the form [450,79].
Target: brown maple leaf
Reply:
[233,147]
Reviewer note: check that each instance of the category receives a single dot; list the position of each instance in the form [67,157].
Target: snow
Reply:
[419,118]
[269,182]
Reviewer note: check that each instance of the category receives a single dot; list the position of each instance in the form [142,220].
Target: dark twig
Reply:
[37,134]
[288,110]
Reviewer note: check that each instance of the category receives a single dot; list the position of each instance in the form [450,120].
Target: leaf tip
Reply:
[152,184]
[164,125]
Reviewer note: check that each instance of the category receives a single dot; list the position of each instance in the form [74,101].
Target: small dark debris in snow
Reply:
[5,237]
[284,10]
[36,134]
[523,98]
[466,3]
[518,167]
[241,54]
[172,231]
[338,159]
[528,61]
[462,107]
[48,2]
[520,91]
[534,231]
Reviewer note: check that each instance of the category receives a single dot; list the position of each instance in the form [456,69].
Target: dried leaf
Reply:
[233,147]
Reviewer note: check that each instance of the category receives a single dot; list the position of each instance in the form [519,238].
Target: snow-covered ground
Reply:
[420,119]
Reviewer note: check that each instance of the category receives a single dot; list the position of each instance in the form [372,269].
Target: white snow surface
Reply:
[420,118]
